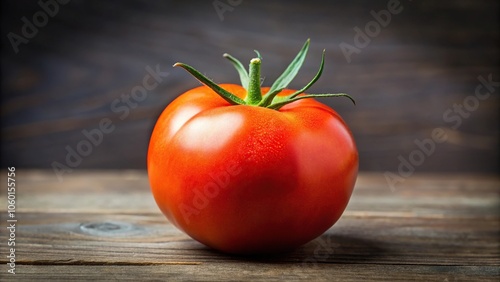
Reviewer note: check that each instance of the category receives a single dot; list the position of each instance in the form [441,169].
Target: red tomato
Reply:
[248,179]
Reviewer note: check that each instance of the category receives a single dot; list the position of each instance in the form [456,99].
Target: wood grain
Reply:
[75,238]
[105,225]
[240,271]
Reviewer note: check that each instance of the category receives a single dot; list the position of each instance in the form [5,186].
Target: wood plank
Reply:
[256,271]
[121,238]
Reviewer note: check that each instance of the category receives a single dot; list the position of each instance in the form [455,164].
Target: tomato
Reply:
[246,179]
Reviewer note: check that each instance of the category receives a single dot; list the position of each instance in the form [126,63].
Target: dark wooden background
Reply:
[427,59]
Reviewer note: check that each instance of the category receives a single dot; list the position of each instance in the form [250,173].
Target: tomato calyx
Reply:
[251,82]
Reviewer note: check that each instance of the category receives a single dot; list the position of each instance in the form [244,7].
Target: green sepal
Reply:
[272,97]
[315,78]
[291,71]
[229,97]
[240,68]
[258,54]
[288,100]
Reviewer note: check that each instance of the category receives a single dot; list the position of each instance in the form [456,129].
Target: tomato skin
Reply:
[246,179]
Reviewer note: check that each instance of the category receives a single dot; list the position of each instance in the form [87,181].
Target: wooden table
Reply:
[105,225]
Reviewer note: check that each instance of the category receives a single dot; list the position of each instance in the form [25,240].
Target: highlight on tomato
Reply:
[246,169]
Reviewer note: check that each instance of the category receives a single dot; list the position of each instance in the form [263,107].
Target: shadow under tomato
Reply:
[328,248]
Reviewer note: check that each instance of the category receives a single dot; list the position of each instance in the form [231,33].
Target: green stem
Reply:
[254,95]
